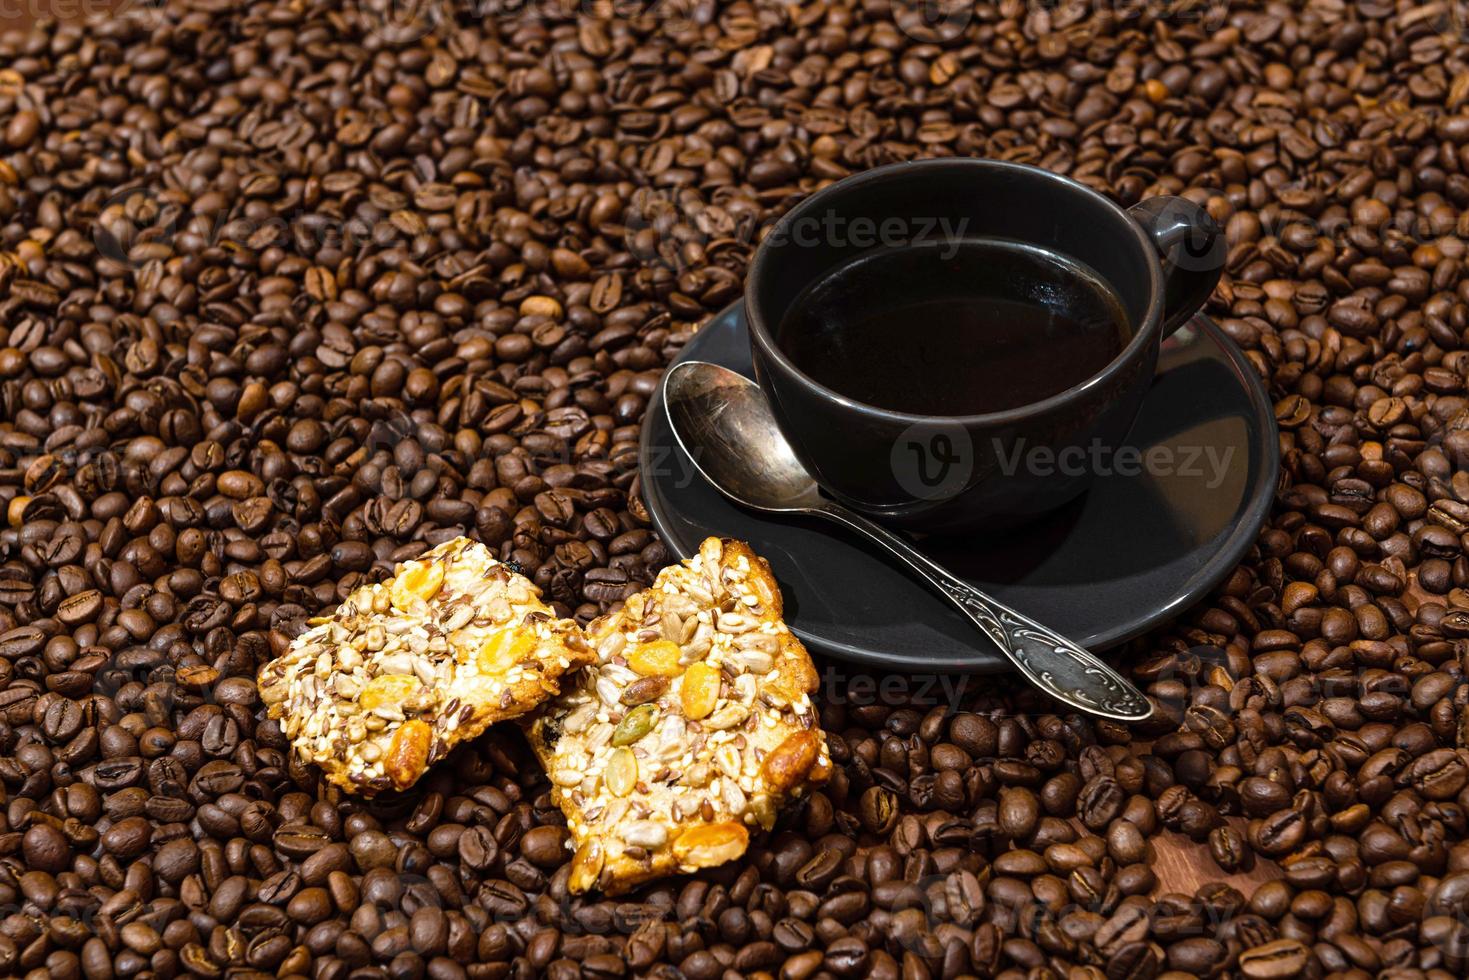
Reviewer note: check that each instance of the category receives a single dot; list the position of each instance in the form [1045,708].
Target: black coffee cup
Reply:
[1162,259]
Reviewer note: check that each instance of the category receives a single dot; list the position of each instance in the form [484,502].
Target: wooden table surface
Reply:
[21,15]
[1182,866]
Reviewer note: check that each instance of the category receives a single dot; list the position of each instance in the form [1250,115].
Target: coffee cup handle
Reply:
[1191,247]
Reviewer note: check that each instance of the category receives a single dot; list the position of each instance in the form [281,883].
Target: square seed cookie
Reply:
[406,669]
[694,725]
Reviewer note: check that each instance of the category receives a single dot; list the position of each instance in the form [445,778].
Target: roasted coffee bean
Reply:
[879,809]
[1125,842]
[792,935]
[1133,961]
[1227,847]
[45,848]
[1281,958]
[1279,833]
[1018,813]
[544,846]
[1100,801]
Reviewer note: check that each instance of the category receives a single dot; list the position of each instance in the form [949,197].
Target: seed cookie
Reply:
[406,669]
[691,729]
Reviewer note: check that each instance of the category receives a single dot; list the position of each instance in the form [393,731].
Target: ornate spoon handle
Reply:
[1051,662]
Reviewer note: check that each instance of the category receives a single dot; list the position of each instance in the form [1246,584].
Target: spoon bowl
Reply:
[723,421]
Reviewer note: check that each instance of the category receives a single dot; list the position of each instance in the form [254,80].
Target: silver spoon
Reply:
[723,422]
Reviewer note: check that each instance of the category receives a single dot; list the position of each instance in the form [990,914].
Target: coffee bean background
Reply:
[292,291]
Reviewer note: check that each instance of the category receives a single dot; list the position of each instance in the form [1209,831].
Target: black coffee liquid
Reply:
[954,328]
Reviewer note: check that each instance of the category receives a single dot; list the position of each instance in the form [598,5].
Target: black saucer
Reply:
[1130,553]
